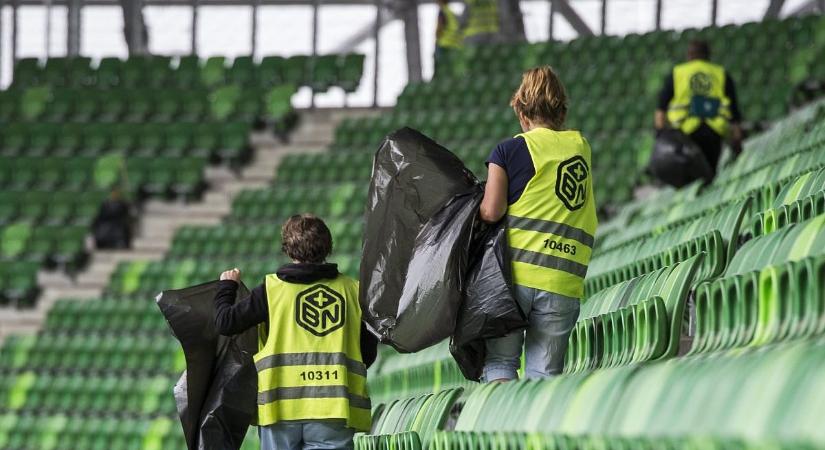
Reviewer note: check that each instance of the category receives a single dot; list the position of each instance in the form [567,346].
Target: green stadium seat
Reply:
[213,71]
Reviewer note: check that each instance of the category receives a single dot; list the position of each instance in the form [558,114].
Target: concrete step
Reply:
[152,244]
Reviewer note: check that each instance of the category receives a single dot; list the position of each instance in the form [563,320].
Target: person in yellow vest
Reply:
[447,35]
[480,21]
[540,182]
[699,98]
[312,366]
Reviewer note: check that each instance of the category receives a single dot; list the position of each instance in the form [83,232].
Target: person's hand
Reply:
[234,275]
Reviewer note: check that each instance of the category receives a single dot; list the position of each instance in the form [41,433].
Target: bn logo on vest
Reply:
[320,310]
[571,182]
[701,83]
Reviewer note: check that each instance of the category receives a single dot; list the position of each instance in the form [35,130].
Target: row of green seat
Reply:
[320,73]
[766,289]
[110,351]
[254,241]
[609,266]
[105,315]
[217,141]
[396,376]
[142,278]
[75,431]
[634,321]
[65,393]
[283,200]
[231,102]
[480,440]
[44,245]
[657,403]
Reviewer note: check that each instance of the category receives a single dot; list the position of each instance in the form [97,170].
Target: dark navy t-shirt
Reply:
[512,156]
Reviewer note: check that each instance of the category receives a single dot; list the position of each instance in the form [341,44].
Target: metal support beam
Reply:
[14,26]
[412,39]
[73,27]
[315,5]
[774,7]
[253,38]
[604,17]
[551,19]
[377,49]
[134,27]
[573,18]
[348,45]
[193,46]
[48,6]
[2,4]
[809,7]
[714,11]
[216,2]
[658,15]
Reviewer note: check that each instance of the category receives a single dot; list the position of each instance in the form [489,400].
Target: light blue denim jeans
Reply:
[551,317]
[307,435]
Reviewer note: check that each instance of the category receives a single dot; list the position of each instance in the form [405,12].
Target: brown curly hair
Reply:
[305,238]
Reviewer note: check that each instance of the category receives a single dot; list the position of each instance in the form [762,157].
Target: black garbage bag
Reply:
[416,240]
[677,161]
[489,309]
[425,252]
[216,396]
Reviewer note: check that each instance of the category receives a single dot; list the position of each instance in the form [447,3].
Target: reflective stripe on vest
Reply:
[482,17]
[693,81]
[310,366]
[551,227]
[450,36]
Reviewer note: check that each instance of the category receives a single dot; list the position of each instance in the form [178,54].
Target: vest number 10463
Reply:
[566,248]
[312,375]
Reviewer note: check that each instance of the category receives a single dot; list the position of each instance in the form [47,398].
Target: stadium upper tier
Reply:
[147,124]
[748,247]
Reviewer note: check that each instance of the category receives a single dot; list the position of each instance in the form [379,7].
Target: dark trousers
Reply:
[710,142]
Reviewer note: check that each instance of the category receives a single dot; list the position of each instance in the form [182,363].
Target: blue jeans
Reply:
[307,435]
[551,317]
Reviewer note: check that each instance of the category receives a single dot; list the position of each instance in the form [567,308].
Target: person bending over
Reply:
[699,98]
[540,183]
[312,368]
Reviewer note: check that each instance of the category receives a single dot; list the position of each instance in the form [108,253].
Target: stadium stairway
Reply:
[160,220]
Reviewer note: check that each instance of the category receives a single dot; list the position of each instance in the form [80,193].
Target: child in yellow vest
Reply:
[312,368]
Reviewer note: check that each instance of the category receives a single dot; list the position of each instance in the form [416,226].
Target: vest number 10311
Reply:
[312,375]
[566,248]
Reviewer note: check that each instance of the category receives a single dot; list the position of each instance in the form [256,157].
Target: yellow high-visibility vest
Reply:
[482,17]
[310,367]
[450,36]
[551,227]
[699,96]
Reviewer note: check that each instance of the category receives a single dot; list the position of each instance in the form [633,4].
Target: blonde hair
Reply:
[541,97]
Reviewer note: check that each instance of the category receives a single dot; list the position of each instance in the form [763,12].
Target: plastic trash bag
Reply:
[216,396]
[677,161]
[428,263]
[489,308]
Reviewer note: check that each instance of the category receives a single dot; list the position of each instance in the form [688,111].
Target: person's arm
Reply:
[665,96]
[233,318]
[736,134]
[369,346]
[494,204]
